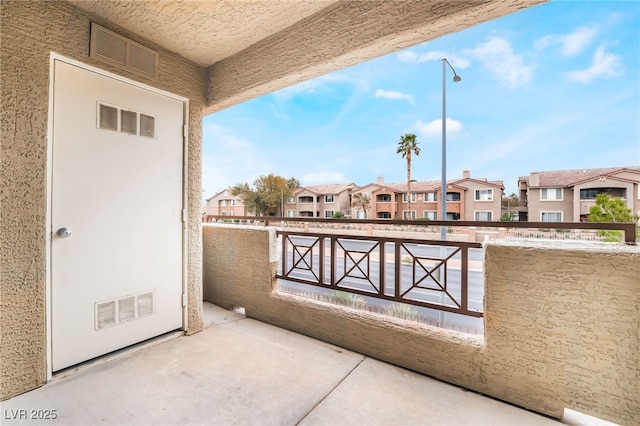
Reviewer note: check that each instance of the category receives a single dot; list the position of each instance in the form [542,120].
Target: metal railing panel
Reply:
[429,274]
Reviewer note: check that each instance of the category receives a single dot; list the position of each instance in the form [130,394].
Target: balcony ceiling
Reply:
[204,31]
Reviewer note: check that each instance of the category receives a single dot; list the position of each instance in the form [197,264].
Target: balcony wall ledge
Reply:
[561,321]
[563,245]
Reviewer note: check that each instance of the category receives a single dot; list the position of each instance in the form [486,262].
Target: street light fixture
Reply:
[443,207]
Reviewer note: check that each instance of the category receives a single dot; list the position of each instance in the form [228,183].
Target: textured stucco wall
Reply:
[567,315]
[561,330]
[29,31]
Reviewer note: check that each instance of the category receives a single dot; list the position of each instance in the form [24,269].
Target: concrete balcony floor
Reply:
[240,371]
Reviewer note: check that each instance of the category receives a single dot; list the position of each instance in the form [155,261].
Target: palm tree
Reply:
[360,200]
[408,144]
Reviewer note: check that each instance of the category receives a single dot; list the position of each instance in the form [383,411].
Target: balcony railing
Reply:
[428,274]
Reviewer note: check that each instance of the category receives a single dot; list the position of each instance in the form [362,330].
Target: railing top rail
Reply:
[629,229]
[384,239]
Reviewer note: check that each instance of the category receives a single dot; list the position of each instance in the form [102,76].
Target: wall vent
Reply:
[122,52]
[124,309]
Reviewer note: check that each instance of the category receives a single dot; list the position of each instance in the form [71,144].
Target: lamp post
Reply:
[443,206]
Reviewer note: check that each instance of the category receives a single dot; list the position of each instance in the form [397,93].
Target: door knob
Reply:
[63,232]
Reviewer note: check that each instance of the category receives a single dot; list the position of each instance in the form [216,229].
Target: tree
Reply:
[608,210]
[268,193]
[408,145]
[361,201]
[507,203]
[510,201]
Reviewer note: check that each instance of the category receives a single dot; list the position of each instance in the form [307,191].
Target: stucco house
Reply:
[567,195]
[224,203]
[102,121]
[468,199]
[320,200]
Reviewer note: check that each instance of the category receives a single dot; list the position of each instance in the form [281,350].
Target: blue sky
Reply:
[553,87]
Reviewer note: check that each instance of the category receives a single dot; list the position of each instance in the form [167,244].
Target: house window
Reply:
[223,202]
[429,214]
[409,214]
[484,216]
[384,215]
[484,194]
[291,199]
[232,213]
[328,213]
[232,202]
[429,196]
[551,194]
[383,198]
[328,198]
[453,196]
[305,199]
[291,213]
[551,216]
[413,197]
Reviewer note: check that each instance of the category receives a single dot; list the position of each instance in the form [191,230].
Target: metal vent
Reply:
[145,304]
[124,309]
[129,120]
[107,117]
[122,52]
[105,314]
[147,126]
[127,309]
[110,117]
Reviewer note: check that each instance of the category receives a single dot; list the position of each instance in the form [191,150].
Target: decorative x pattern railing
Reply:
[431,274]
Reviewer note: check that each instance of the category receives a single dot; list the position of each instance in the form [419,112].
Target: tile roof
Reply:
[572,177]
[334,188]
[434,185]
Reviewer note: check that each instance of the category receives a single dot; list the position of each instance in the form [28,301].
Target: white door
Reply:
[116,214]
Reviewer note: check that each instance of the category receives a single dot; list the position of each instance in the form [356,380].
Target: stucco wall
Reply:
[537,205]
[561,329]
[29,31]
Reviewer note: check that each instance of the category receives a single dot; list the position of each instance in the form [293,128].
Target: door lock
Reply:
[63,232]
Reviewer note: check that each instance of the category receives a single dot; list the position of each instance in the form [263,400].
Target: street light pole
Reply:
[443,188]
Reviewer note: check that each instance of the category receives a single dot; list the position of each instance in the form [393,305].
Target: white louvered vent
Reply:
[124,309]
[122,52]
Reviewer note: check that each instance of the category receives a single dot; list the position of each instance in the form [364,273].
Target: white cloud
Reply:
[434,55]
[571,44]
[603,65]
[322,177]
[434,128]
[391,94]
[497,57]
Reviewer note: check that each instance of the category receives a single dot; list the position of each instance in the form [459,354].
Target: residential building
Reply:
[320,201]
[468,199]
[224,203]
[568,195]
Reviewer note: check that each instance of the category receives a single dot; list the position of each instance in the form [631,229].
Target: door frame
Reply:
[49,185]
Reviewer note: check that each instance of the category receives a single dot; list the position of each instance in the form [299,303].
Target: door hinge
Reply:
[184,300]
[184,215]
[185,130]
